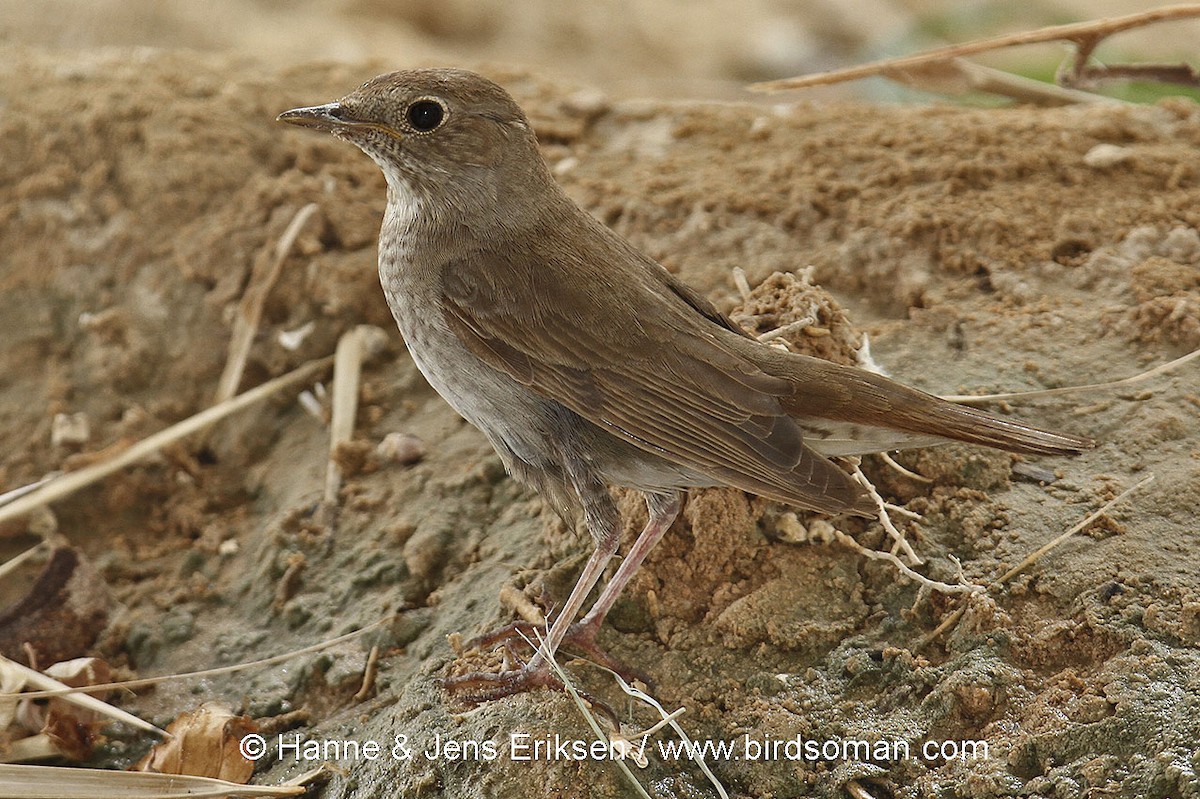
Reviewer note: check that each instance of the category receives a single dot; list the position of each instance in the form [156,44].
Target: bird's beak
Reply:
[322,117]
[331,118]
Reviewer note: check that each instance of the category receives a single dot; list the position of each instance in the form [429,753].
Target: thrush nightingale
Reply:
[588,365]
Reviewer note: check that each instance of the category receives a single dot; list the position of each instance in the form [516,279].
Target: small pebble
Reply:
[1103,156]
[404,448]
[70,429]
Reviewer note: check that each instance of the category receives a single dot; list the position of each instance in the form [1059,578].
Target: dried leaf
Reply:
[204,743]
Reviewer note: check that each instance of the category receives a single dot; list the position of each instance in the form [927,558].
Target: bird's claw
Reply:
[580,638]
[477,687]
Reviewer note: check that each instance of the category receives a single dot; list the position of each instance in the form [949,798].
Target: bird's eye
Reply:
[425,115]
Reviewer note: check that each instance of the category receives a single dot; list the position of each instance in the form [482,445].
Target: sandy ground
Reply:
[978,249]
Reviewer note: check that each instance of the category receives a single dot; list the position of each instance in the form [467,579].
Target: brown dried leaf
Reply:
[60,727]
[204,743]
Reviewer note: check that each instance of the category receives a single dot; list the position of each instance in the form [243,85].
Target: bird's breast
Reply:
[515,419]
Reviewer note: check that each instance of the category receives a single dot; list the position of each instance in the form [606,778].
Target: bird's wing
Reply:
[627,351]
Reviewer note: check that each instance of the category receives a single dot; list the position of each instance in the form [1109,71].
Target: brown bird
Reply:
[584,362]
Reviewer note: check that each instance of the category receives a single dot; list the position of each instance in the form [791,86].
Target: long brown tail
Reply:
[830,391]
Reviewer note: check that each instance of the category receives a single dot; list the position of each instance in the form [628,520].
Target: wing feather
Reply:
[641,362]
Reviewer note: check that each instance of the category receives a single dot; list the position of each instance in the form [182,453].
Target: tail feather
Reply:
[841,393]
[934,416]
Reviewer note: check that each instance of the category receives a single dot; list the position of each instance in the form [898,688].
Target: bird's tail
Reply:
[826,390]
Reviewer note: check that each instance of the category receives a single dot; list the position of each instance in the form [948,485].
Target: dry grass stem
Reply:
[369,672]
[17,493]
[1085,35]
[669,719]
[347,375]
[17,673]
[252,664]
[249,315]
[14,563]
[953,618]
[1038,553]
[67,484]
[1161,369]
[959,76]
[309,402]
[663,722]
[58,782]
[587,713]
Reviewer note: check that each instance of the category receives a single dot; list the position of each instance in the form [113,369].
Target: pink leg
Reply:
[599,558]
[663,508]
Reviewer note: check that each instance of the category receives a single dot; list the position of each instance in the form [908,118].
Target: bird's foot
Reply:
[579,639]
[477,687]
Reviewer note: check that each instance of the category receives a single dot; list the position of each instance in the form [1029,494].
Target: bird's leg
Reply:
[663,509]
[581,636]
[603,519]
[592,570]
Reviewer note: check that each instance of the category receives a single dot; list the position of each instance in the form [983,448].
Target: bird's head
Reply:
[442,135]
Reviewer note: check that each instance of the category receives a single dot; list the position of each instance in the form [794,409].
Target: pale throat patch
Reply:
[404,205]
[396,238]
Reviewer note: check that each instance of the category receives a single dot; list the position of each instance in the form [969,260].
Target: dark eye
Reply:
[425,115]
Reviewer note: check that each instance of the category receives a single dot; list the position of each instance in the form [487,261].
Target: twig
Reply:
[904,568]
[347,373]
[252,664]
[28,676]
[742,284]
[911,475]
[245,324]
[369,672]
[1034,556]
[884,519]
[790,327]
[946,624]
[972,399]
[1082,33]
[69,483]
